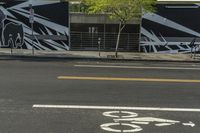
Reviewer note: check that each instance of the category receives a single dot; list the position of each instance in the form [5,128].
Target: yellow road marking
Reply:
[128,79]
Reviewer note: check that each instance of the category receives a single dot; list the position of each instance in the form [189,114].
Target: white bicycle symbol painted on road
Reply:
[131,122]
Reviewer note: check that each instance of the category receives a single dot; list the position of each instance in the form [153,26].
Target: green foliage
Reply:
[121,10]
[78,7]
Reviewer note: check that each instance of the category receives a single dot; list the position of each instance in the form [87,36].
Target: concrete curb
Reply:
[64,58]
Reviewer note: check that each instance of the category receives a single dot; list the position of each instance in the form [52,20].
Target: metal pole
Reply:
[31,20]
[191,52]
[11,48]
[195,52]
[32,39]
[92,37]
[128,42]
[140,29]
[104,32]
[140,35]
[81,40]
[99,44]
[149,48]
[69,25]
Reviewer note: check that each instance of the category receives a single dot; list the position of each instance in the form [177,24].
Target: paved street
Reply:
[99,97]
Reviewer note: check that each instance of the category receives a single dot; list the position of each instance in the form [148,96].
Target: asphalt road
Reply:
[99,97]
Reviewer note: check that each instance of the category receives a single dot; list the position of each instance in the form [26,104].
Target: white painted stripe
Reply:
[138,67]
[116,108]
[134,128]
[163,124]
[138,122]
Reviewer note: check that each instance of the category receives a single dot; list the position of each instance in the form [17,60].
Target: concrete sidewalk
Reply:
[19,53]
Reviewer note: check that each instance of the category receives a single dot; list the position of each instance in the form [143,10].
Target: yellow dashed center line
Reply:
[128,79]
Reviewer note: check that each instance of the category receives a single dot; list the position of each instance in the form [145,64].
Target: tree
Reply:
[123,11]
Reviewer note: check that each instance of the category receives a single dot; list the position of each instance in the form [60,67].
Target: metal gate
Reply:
[89,41]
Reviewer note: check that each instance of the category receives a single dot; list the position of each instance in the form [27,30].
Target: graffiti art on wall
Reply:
[171,29]
[51,30]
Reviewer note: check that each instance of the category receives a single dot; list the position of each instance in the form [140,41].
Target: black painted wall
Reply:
[51,25]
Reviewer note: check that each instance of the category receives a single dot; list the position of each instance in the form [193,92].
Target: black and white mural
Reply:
[50,27]
[172,29]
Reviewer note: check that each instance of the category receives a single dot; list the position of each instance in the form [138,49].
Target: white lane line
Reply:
[138,67]
[116,108]
[99,63]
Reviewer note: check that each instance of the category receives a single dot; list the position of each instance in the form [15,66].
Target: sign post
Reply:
[2,18]
[31,21]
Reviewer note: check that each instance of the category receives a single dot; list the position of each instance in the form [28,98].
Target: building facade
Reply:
[172,29]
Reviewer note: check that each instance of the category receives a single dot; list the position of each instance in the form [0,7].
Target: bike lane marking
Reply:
[107,127]
[135,122]
[124,120]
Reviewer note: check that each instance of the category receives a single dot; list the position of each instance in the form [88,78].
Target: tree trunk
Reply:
[118,38]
